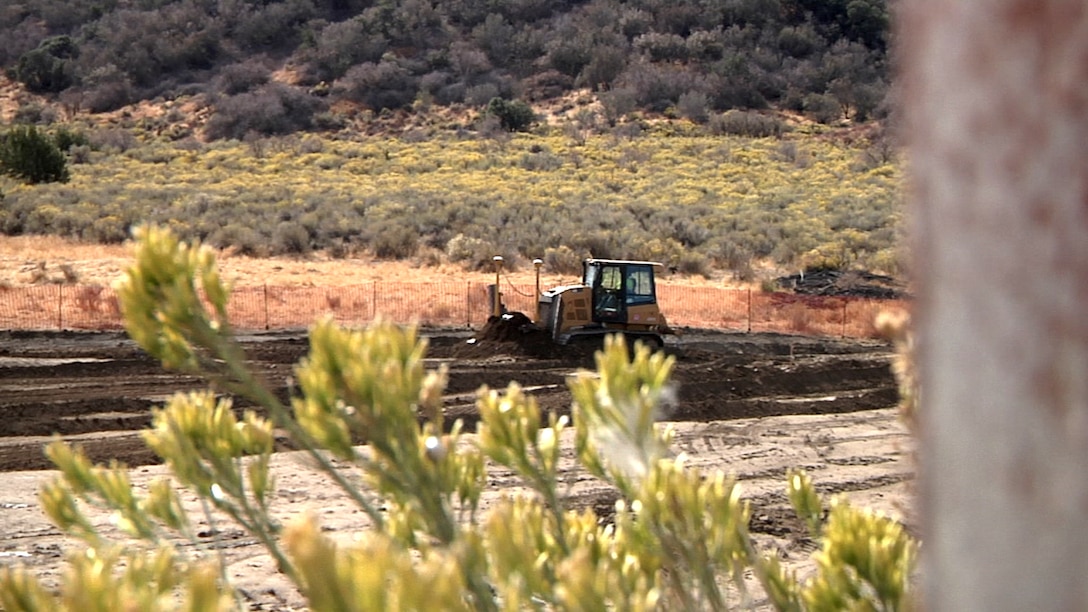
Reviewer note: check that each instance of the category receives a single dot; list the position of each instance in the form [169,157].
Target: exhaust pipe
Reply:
[496,306]
[537,263]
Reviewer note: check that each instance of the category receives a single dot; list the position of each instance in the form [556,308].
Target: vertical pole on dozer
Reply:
[496,307]
[536,264]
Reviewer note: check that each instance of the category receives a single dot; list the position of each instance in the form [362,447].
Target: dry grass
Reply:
[35,260]
[49,282]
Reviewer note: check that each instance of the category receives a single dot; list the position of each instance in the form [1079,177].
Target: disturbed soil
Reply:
[749,404]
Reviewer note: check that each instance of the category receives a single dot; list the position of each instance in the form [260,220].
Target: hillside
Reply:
[276,67]
[743,142]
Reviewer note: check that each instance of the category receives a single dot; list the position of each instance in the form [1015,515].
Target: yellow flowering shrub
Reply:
[741,190]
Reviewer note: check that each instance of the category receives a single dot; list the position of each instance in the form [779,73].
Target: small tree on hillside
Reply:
[513,115]
[30,155]
[48,68]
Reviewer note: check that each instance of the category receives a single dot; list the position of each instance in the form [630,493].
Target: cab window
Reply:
[611,278]
[640,285]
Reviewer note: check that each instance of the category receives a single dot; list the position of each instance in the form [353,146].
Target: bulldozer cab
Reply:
[615,296]
[619,286]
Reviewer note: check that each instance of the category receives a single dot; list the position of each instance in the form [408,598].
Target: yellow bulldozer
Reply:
[614,296]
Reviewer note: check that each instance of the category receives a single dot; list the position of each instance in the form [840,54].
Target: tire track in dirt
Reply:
[78,384]
[751,405]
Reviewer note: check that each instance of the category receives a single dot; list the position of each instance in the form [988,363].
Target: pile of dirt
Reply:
[515,334]
[508,327]
[850,283]
[510,333]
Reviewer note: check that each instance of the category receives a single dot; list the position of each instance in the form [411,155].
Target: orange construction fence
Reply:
[452,304]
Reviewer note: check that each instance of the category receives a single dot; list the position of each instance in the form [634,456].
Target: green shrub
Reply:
[605,65]
[382,85]
[272,25]
[242,77]
[291,238]
[113,140]
[729,255]
[693,105]
[241,239]
[471,253]
[540,161]
[341,45]
[563,260]
[392,240]
[106,88]
[692,263]
[662,47]
[824,108]
[746,123]
[66,138]
[32,156]
[658,86]
[617,104]
[513,115]
[48,68]
[330,121]
[110,229]
[274,108]
[34,113]
[667,251]
[800,41]
[769,285]
[79,154]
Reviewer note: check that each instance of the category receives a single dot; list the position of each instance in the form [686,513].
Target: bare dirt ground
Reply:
[749,404]
[31,260]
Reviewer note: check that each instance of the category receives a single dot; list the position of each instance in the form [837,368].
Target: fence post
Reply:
[845,301]
[60,307]
[468,304]
[723,300]
[749,309]
[266,322]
